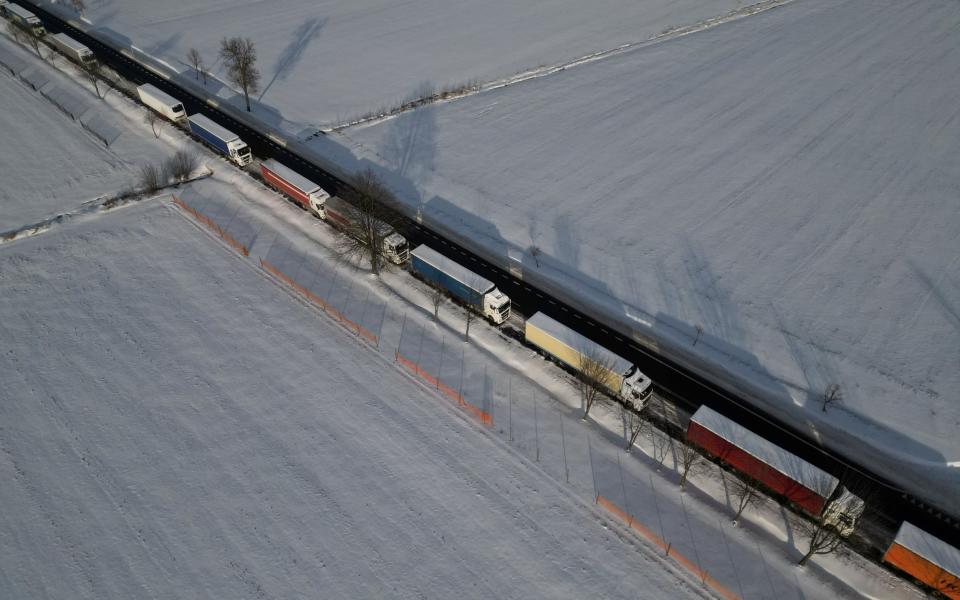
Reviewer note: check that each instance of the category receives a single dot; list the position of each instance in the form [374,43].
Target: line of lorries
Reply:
[913,551]
[66,45]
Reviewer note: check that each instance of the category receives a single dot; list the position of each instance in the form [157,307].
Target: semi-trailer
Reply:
[928,559]
[287,181]
[809,487]
[342,215]
[621,378]
[72,49]
[162,102]
[25,19]
[220,138]
[463,284]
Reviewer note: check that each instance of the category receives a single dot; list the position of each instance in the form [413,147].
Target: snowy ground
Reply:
[51,164]
[161,433]
[785,181]
[324,62]
[173,423]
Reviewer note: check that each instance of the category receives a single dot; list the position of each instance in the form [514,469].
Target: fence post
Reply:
[733,563]
[593,474]
[536,428]
[423,334]
[363,313]
[696,553]
[656,506]
[563,443]
[403,325]
[443,343]
[510,400]
[623,488]
[462,357]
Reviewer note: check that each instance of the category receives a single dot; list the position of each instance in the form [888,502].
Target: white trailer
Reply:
[161,102]
[25,19]
[72,49]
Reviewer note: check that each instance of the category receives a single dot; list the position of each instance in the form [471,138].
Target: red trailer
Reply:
[928,559]
[801,482]
[304,192]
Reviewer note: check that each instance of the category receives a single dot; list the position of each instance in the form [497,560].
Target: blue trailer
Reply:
[462,283]
[220,138]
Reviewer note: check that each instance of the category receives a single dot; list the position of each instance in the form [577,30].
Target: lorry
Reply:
[287,181]
[72,49]
[25,19]
[220,138]
[339,213]
[162,102]
[621,378]
[463,284]
[807,486]
[926,558]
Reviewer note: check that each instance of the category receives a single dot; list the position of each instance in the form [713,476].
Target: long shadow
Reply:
[161,48]
[292,54]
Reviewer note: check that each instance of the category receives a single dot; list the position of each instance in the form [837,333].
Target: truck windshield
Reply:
[177,108]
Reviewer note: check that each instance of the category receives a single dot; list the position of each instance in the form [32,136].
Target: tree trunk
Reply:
[247,98]
[806,557]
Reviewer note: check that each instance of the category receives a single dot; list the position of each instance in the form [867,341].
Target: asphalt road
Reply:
[889,504]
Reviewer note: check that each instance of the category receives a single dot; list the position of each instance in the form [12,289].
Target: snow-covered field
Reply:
[172,423]
[51,164]
[786,181]
[323,62]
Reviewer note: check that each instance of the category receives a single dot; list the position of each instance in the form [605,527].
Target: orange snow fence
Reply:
[360,330]
[212,226]
[670,551]
[481,415]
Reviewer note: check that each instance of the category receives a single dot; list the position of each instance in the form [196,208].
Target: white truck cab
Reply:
[636,388]
[496,306]
[843,512]
[396,249]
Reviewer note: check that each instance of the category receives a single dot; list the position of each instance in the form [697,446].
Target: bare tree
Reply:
[832,394]
[371,221]
[436,299]
[154,121]
[690,461]
[635,424]
[194,58]
[699,333]
[79,5]
[662,443]
[828,530]
[535,253]
[94,74]
[31,37]
[594,377]
[152,177]
[468,318]
[181,165]
[240,57]
[745,492]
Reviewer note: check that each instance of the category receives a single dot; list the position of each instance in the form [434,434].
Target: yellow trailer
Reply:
[623,379]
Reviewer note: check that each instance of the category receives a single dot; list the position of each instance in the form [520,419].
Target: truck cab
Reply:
[317,200]
[396,249]
[636,388]
[843,512]
[240,153]
[496,306]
